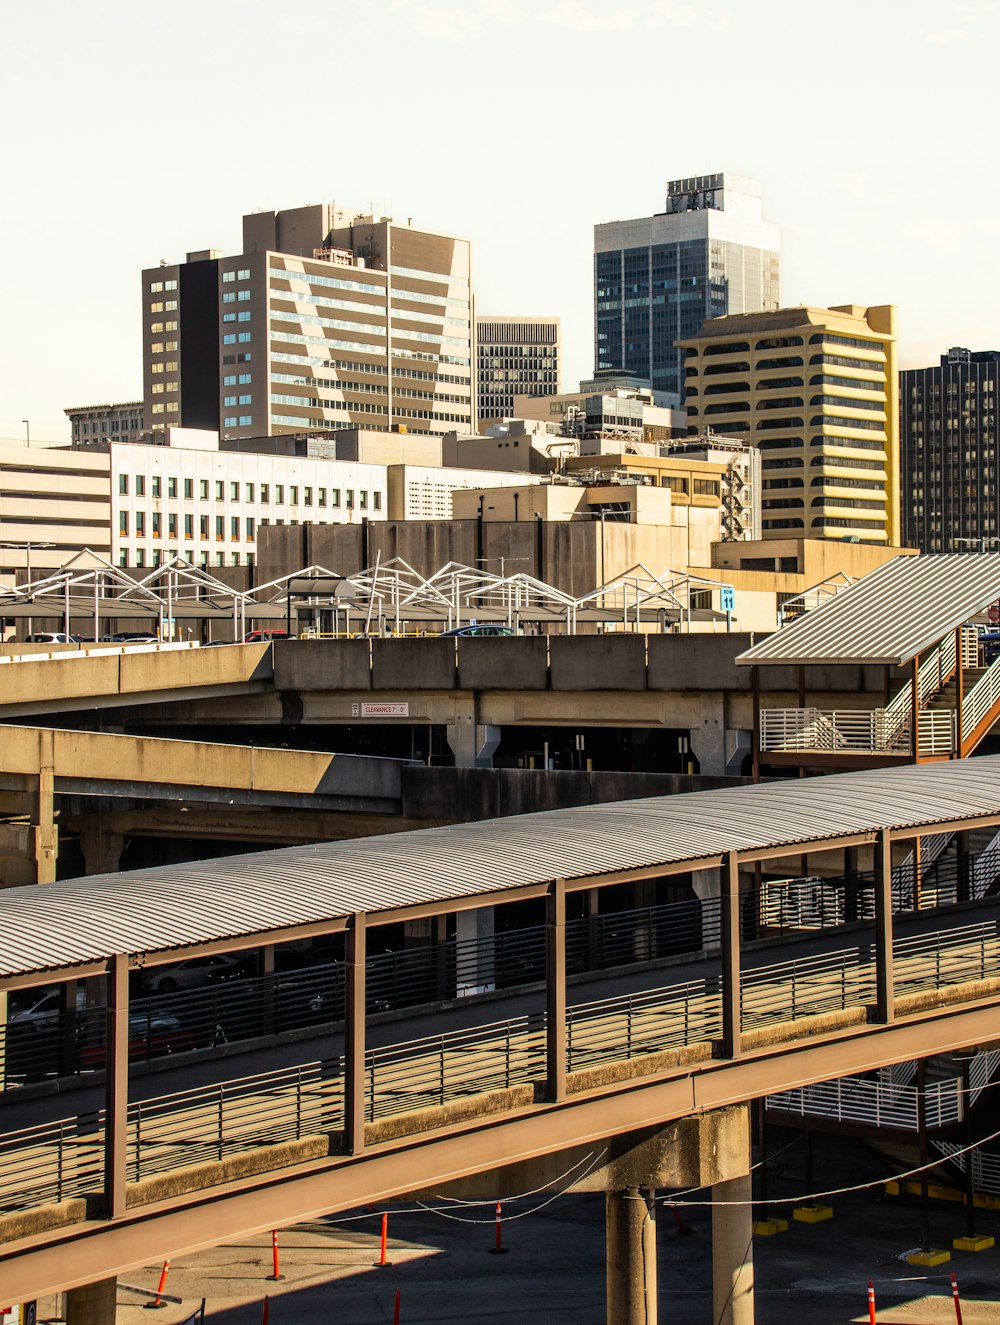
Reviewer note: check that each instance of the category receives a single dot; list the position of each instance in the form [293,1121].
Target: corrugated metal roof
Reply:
[890,616]
[155,910]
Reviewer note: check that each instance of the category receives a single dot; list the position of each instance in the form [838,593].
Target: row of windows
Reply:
[160,555]
[237,338]
[333,282]
[327,301]
[158,328]
[826,481]
[374,329]
[849,402]
[163,347]
[158,287]
[236,297]
[241,274]
[230,401]
[169,306]
[237,421]
[237,317]
[237,379]
[310,493]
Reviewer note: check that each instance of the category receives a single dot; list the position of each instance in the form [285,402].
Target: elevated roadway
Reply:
[371,1119]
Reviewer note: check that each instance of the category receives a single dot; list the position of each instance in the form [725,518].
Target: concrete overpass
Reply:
[472,690]
[37,764]
[379,1120]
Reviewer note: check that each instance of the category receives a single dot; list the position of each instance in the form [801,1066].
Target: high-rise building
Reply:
[948,452]
[816,390]
[328,319]
[517,356]
[657,278]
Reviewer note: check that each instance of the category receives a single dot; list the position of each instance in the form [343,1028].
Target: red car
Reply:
[264,636]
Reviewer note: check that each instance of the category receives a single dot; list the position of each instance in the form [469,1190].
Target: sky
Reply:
[139,132]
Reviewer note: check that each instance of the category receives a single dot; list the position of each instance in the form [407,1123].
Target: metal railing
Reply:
[163,1024]
[215,1121]
[841,731]
[983,696]
[873,1103]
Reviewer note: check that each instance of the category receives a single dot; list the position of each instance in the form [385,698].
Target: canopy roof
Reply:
[889,616]
[284,892]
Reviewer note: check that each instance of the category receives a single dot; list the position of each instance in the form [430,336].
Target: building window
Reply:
[140,556]
[243,274]
[171,526]
[156,531]
[279,494]
[171,487]
[123,524]
[293,495]
[250,529]
[140,524]
[140,485]
[203,489]
[157,485]
[220,528]
[265,493]
[220,490]
[349,499]
[363,500]
[321,496]
[335,497]
[377,500]
[202,526]
[188,489]
[234,492]
[234,527]
[123,484]
[307,497]
[249,489]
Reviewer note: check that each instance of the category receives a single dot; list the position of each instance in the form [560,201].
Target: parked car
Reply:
[989,646]
[150,1035]
[477,630]
[264,636]
[190,974]
[245,968]
[50,637]
[41,1013]
[134,637]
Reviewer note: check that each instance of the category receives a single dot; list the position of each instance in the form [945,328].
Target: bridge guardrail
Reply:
[211,1122]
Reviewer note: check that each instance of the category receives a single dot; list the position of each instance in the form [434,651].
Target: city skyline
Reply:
[117,191]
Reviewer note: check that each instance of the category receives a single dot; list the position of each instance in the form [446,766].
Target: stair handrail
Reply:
[981,698]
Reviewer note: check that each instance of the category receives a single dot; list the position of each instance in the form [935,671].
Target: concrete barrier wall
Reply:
[322,665]
[698,662]
[473,794]
[413,664]
[490,663]
[598,662]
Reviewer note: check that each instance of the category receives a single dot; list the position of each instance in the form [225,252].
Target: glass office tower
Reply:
[657,278]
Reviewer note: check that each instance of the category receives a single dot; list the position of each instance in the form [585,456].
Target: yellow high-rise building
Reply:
[817,391]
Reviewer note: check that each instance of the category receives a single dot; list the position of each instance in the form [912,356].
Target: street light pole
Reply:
[27,431]
[26,547]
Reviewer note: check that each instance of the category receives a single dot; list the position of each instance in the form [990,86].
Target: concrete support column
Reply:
[46,833]
[92,1304]
[102,850]
[475,954]
[707,885]
[630,1251]
[708,737]
[732,1253]
[3,1039]
[472,743]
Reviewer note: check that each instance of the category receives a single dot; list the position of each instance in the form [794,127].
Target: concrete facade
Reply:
[329,319]
[817,391]
[516,356]
[56,497]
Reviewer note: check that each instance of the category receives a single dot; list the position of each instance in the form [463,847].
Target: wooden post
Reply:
[731,1006]
[555,989]
[884,995]
[915,709]
[354,1037]
[116,1088]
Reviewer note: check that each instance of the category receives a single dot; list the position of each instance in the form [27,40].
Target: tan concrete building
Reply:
[816,390]
[53,504]
[329,319]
